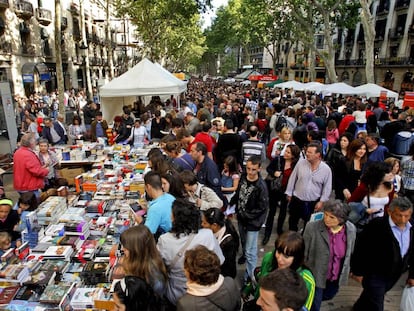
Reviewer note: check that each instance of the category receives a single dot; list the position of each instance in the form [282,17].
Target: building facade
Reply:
[27,44]
[394,47]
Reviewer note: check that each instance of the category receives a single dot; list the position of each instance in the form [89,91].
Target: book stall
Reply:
[70,252]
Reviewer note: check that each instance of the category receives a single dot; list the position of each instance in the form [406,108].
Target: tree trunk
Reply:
[311,65]
[368,24]
[329,55]
[59,66]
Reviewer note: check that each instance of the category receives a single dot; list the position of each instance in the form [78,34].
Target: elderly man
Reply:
[384,250]
[309,185]
[29,174]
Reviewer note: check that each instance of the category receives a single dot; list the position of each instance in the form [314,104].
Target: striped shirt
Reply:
[251,148]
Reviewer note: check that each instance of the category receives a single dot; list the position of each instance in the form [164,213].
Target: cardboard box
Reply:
[70,173]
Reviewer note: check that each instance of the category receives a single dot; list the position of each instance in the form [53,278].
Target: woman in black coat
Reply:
[227,236]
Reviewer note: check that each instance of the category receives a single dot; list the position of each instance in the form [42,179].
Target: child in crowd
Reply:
[230,177]
[9,218]
[332,133]
[26,203]
[5,242]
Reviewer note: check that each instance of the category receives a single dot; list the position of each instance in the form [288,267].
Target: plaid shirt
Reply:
[407,174]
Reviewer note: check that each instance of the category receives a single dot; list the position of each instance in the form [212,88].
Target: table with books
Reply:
[69,256]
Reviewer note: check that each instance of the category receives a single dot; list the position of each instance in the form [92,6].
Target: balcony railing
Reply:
[402,4]
[396,33]
[4,4]
[44,16]
[65,56]
[24,9]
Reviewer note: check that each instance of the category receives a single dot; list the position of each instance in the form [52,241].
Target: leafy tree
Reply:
[324,16]
[166,28]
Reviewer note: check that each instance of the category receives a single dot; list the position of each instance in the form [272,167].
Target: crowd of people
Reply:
[336,156]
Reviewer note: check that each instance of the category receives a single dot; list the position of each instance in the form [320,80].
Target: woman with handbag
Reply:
[374,193]
[186,233]
[279,171]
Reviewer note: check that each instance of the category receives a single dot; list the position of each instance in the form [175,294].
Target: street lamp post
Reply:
[85,48]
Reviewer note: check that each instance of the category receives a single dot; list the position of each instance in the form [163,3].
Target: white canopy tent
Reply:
[316,87]
[374,90]
[340,88]
[295,85]
[145,78]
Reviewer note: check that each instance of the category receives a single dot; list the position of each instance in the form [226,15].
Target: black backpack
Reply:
[281,122]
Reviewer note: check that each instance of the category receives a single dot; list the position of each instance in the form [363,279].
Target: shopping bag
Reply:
[407,299]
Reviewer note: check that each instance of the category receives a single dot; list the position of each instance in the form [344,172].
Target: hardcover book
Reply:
[54,293]
[7,294]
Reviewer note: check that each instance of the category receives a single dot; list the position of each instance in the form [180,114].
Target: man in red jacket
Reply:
[28,173]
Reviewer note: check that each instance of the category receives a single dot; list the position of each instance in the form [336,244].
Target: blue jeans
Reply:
[249,244]
[358,211]
[327,293]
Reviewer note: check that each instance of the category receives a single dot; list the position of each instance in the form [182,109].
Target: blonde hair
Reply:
[4,237]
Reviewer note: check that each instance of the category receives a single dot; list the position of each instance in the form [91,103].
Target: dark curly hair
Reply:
[186,217]
[374,174]
[202,265]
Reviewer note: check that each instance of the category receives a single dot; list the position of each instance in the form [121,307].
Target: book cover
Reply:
[42,277]
[7,294]
[84,297]
[22,305]
[54,293]
[57,264]
[58,251]
[30,292]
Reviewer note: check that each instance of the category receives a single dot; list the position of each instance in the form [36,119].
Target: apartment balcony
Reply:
[411,31]
[65,56]
[396,33]
[5,47]
[77,60]
[64,23]
[76,35]
[379,36]
[44,16]
[96,39]
[4,4]
[23,9]
[74,9]
[95,61]
[402,5]
[24,28]
[29,50]
[396,61]
[47,52]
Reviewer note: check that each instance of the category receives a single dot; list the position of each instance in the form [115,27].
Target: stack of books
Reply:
[72,214]
[95,207]
[49,211]
[58,252]
[80,229]
[100,226]
[15,272]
